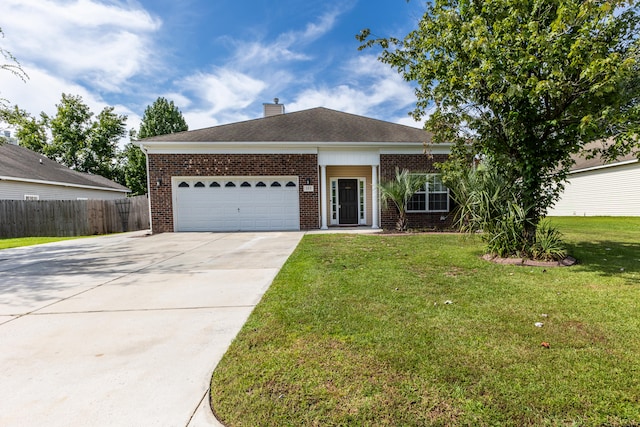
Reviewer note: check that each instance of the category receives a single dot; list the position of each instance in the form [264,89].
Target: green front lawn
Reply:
[356,330]
[30,241]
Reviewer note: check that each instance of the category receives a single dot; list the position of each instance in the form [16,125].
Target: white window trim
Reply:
[31,197]
[335,202]
[426,195]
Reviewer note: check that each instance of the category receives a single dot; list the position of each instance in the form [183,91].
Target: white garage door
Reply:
[236,203]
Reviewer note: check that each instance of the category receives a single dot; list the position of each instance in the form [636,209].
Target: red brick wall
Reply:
[415,163]
[164,166]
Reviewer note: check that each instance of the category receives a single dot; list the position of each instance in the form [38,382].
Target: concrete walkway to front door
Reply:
[125,330]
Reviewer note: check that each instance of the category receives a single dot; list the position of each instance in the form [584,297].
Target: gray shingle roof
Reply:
[19,162]
[313,125]
[582,162]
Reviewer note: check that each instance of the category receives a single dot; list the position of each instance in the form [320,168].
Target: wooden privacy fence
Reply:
[29,218]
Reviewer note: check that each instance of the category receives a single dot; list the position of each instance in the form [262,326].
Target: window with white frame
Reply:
[432,197]
[32,197]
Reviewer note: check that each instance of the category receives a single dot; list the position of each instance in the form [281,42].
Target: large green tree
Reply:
[160,118]
[73,137]
[526,82]
[85,143]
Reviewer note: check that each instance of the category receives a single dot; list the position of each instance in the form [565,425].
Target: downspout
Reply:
[146,155]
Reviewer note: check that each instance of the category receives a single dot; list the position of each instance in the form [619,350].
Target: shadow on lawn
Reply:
[608,258]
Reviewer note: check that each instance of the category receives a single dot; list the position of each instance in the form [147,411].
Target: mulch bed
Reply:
[567,262]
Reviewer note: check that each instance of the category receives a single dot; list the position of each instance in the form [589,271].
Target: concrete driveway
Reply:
[126,330]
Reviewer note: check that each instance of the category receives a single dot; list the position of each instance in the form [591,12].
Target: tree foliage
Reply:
[30,131]
[486,202]
[10,63]
[73,137]
[134,169]
[526,82]
[83,143]
[160,118]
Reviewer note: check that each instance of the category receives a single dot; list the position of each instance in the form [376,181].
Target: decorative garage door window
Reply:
[236,203]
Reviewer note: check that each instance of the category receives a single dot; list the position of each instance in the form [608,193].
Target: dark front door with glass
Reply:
[348,201]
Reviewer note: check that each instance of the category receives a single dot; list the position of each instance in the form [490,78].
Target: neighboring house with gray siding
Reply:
[27,175]
[597,188]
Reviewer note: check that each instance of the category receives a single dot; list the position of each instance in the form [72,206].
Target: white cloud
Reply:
[101,44]
[372,89]
[286,46]
[221,96]
[223,89]
[42,91]
[342,98]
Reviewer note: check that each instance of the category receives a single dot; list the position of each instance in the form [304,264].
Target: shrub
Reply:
[488,203]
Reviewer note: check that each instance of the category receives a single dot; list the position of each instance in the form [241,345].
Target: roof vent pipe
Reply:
[273,109]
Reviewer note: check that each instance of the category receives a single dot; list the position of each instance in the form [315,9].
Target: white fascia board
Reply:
[418,149]
[61,184]
[285,147]
[610,165]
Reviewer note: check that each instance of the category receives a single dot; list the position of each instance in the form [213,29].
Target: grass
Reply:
[355,331]
[29,241]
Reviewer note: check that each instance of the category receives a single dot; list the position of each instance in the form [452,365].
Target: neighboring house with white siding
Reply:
[27,175]
[597,188]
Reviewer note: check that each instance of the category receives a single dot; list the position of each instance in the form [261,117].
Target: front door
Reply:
[348,200]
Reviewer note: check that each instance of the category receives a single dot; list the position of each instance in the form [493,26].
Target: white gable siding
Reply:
[609,191]
[15,190]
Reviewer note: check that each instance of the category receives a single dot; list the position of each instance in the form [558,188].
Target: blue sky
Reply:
[218,60]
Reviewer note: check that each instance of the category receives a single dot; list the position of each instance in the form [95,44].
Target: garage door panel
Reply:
[227,208]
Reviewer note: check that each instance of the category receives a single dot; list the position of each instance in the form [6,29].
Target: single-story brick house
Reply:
[305,170]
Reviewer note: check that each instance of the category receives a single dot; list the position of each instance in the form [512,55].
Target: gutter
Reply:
[609,165]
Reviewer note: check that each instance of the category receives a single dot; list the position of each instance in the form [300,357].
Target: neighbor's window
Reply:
[433,197]
[31,197]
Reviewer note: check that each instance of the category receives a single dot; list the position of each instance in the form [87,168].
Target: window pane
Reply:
[438,201]
[437,184]
[417,202]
